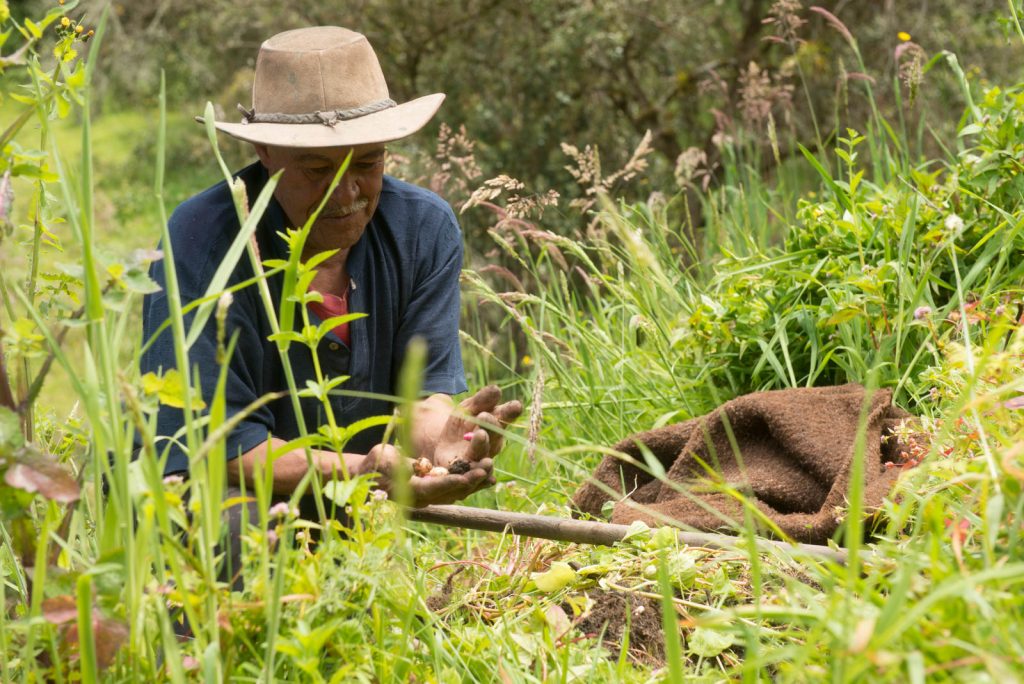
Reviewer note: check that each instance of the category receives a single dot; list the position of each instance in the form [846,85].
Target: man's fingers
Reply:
[489,423]
[479,445]
[507,413]
[488,481]
[383,459]
[447,488]
[484,399]
[461,417]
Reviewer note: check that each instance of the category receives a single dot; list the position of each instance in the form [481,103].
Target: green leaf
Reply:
[313,389]
[344,434]
[841,316]
[34,171]
[844,200]
[855,181]
[33,28]
[663,538]
[138,281]
[682,566]
[76,79]
[10,431]
[558,576]
[302,284]
[331,383]
[287,336]
[334,321]
[707,643]
[970,129]
[319,258]
[64,107]
[25,328]
[342,492]
[638,530]
[169,389]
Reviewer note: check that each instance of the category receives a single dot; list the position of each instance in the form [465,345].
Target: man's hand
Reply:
[447,433]
[387,463]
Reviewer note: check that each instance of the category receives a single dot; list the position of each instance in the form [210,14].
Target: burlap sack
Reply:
[795,451]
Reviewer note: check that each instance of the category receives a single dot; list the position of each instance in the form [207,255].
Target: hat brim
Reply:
[383,126]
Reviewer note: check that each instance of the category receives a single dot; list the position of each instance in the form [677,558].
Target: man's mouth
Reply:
[344,212]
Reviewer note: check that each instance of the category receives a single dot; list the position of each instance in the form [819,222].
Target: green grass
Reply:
[614,330]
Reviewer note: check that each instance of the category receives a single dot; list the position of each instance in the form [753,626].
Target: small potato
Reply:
[437,471]
[422,467]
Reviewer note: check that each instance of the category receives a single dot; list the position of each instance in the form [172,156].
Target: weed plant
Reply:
[892,271]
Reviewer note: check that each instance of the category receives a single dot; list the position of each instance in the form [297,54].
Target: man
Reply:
[319,99]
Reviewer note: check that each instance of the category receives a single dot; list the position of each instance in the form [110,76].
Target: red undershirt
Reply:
[333,305]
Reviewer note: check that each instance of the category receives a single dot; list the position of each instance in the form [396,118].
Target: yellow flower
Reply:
[903,35]
[527,361]
[79,28]
[65,22]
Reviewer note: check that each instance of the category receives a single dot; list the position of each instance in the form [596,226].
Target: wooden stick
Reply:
[591,532]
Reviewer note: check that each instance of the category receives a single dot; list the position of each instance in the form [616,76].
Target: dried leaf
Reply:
[109,635]
[1015,403]
[557,620]
[47,478]
[60,609]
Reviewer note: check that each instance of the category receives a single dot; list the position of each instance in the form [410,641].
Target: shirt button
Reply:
[334,346]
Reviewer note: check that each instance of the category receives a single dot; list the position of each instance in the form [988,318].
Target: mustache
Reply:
[338,211]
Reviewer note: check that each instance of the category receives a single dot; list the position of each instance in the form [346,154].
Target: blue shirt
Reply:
[404,274]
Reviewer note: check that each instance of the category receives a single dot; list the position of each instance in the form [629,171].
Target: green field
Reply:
[886,249]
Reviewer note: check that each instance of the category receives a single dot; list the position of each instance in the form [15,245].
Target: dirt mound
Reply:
[613,612]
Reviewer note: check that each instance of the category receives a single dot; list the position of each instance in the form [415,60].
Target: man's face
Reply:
[308,173]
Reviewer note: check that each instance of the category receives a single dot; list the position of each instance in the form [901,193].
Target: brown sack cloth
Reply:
[796,446]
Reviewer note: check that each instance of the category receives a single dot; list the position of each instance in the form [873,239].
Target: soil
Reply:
[459,466]
[608,618]
[612,612]
[439,601]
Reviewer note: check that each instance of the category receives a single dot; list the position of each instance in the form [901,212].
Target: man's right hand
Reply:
[385,461]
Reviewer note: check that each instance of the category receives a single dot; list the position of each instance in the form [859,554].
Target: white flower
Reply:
[954,224]
[282,509]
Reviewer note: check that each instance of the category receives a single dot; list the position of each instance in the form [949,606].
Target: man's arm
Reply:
[290,467]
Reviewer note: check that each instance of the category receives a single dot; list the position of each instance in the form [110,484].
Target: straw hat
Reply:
[323,87]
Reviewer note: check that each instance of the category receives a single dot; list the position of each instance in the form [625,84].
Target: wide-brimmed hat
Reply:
[323,87]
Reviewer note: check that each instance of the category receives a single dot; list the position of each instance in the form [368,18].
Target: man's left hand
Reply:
[470,431]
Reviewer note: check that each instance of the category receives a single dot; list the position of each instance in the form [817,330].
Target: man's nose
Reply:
[347,191]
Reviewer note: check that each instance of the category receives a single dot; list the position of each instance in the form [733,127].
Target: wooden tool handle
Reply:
[591,532]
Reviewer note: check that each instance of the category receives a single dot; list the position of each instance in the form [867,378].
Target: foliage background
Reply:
[645,292]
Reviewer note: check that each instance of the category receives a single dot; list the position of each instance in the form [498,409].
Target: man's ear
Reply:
[263,152]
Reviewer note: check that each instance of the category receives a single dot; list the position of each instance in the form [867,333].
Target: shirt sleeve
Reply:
[244,373]
[433,309]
